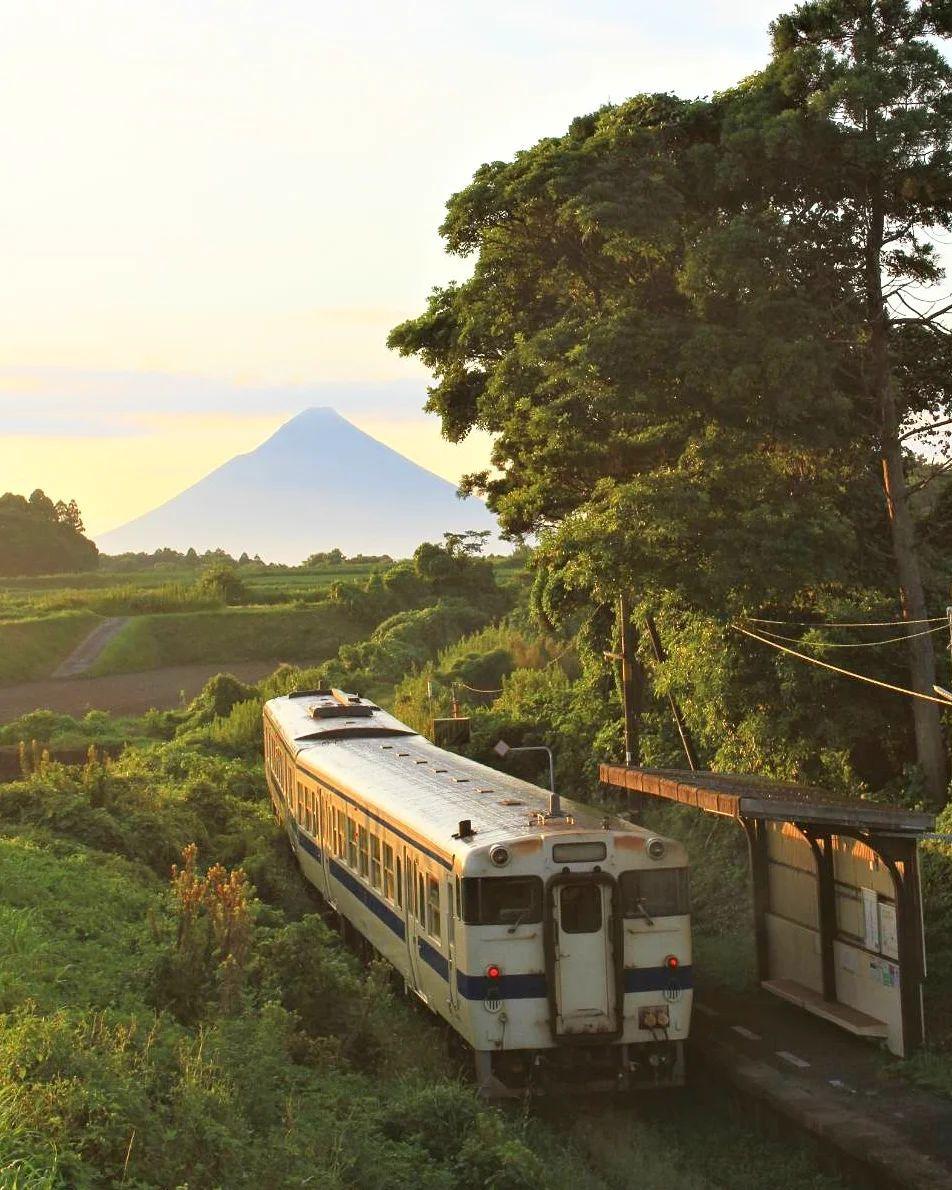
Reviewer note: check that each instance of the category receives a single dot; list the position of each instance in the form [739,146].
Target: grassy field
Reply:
[233,634]
[213,1031]
[119,593]
[33,647]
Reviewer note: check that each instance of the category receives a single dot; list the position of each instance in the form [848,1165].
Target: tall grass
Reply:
[32,648]
[227,635]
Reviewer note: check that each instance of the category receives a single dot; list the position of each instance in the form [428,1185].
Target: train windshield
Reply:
[661,892]
[501,900]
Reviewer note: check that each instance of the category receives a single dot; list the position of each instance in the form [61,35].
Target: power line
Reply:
[475,689]
[846,623]
[836,669]
[858,644]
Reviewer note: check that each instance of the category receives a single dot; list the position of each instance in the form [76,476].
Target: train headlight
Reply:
[655,848]
[499,855]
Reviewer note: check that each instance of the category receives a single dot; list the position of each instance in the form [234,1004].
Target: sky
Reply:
[213,211]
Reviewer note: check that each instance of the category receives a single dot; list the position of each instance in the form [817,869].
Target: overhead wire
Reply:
[856,644]
[849,673]
[847,623]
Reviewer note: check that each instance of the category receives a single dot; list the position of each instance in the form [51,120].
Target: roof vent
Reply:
[465,829]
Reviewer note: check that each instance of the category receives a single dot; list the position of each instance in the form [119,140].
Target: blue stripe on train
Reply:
[658,979]
[432,957]
[512,987]
[366,897]
[307,844]
[520,986]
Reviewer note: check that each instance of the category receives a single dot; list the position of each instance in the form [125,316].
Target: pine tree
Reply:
[857,157]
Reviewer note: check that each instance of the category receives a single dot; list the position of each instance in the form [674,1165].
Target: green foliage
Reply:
[239,634]
[216,700]
[40,537]
[32,648]
[222,581]
[402,643]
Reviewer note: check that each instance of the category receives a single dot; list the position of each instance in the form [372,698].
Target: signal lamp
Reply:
[671,962]
[493,972]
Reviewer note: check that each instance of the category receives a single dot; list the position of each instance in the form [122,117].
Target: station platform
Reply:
[844,1089]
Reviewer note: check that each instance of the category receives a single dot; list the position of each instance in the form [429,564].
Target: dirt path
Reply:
[88,650]
[123,694]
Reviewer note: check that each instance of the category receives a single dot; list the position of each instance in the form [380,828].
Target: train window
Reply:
[661,892]
[363,841]
[580,908]
[339,833]
[388,880]
[375,861]
[421,900]
[500,900]
[576,853]
[399,883]
[434,921]
[351,843]
[459,898]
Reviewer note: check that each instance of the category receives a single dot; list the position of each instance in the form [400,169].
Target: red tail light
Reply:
[493,972]
[671,962]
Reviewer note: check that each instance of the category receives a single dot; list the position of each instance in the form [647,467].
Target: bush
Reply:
[222,582]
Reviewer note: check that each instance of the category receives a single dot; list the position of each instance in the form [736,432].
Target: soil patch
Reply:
[123,694]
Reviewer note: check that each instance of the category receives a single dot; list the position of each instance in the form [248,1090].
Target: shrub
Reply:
[221,581]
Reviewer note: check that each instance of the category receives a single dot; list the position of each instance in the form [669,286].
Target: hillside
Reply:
[316,484]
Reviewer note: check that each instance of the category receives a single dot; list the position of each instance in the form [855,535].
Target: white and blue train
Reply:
[554,939]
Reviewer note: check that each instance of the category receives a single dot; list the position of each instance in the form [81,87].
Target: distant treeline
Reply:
[40,537]
[169,559]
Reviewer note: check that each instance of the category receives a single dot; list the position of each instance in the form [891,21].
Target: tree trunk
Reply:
[930,746]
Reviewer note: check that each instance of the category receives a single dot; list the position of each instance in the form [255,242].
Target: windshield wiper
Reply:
[643,912]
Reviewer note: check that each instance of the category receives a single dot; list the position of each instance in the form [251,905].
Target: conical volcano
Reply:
[316,484]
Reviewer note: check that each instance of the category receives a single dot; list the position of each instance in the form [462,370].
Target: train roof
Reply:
[371,754]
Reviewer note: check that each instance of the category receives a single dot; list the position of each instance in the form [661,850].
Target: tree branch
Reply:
[917,487]
[925,429]
[923,318]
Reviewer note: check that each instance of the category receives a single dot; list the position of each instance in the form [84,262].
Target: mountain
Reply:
[316,484]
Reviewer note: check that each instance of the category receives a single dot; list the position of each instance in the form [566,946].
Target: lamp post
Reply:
[501,748]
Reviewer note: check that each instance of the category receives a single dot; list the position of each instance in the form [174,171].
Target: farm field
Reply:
[172,620]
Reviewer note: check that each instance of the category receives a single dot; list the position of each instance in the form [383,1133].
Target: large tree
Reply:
[677,321]
[856,156]
[697,424]
[40,537]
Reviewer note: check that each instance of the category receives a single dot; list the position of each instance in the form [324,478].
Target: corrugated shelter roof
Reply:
[739,795]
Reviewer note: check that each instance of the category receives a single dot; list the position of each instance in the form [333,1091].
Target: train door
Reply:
[322,834]
[415,911]
[583,956]
[451,942]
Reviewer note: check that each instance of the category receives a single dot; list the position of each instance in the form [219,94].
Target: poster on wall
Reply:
[870,919]
[888,933]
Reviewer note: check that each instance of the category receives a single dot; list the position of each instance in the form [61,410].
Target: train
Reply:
[553,938]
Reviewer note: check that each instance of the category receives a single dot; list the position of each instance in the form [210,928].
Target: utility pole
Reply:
[632,681]
[683,730]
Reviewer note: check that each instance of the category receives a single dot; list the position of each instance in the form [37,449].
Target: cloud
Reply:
[56,402]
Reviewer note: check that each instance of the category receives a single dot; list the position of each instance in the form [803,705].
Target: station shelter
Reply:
[837,907]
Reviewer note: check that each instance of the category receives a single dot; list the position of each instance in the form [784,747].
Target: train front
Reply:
[576,945]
